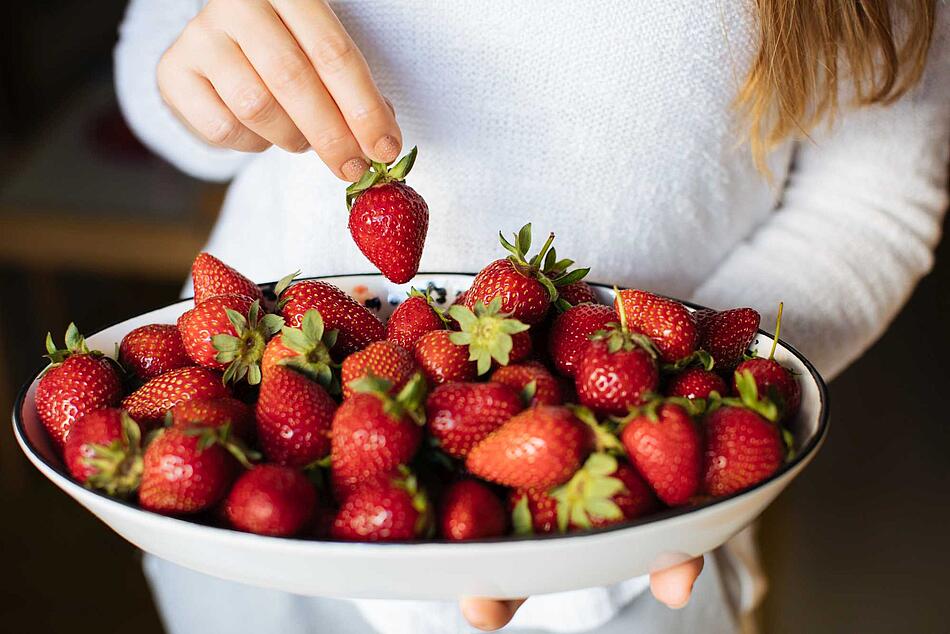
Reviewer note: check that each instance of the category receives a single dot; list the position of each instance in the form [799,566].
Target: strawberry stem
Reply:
[778,330]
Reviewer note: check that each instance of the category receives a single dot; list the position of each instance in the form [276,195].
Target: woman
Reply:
[725,153]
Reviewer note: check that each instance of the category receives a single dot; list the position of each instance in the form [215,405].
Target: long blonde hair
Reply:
[806,47]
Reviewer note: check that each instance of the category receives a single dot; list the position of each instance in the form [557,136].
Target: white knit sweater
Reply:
[608,123]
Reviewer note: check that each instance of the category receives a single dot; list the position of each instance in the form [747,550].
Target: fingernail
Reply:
[354,169]
[387,149]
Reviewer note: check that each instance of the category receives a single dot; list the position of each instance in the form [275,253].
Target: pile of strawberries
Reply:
[524,407]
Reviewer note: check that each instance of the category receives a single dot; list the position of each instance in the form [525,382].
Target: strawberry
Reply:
[186,471]
[381,359]
[443,361]
[526,287]
[664,444]
[374,432]
[213,277]
[154,349]
[388,219]
[577,293]
[540,448]
[103,451]
[728,334]
[305,349]
[356,326]
[149,404]
[489,334]
[533,381]
[695,383]
[742,449]
[75,383]
[571,331]
[215,412]
[271,500]
[294,415]
[460,415]
[666,322]
[533,512]
[413,318]
[470,510]
[393,510]
[772,379]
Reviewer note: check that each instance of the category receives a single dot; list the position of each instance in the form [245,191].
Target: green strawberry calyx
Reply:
[312,344]
[243,353]
[650,408]
[75,345]
[427,296]
[545,267]
[486,331]
[588,495]
[748,398]
[118,465]
[697,358]
[282,285]
[380,173]
[221,435]
[618,336]
[409,401]
[605,440]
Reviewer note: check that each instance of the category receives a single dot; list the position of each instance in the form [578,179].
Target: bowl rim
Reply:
[802,455]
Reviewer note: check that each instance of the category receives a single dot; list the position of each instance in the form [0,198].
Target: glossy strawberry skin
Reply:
[179,478]
[356,326]
[149,404]
[668,452]
[695,383]
[294,415]
[742,449]
[540,448]
[215,412]
[274,352]
[518,375]
[412,319]
[271,500]
[727,335]
[376,512]
[524,297]
[389,222]
[213,277]
[382,359]
[460,415]
[81,384]
[100,427]
[775,382]
[470,510]
[441,360]
[570,334]
[611,382]
[154,349]
[576,293]
[207,319]
[668,323]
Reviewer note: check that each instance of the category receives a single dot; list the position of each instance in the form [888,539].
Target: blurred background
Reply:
[95,229]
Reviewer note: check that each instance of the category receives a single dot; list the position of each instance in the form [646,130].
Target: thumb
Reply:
[673,586]
[489,614]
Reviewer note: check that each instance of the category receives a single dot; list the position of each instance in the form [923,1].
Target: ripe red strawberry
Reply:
[470,510]
[742,449]
[571,331]
[532,380]
[185,471]
[665,446]
[305,349]
[103,451]
[394,510]
[616,371]
[460,415]
[388,219]
[772,380]
[294,415]
[579,292]
[666,322]
[154,349]
[381,359]
[492,337]
[216,412]
[413,318]
[213,277]
[539,448]
[373,432]
[728,334]
[441,360]
[75,383]
[356,326]
[149,404]
[695,383]
[271,500]
[526,287]
[533,512]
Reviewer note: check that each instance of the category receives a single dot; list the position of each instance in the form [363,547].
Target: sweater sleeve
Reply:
[860,217]
[149,28]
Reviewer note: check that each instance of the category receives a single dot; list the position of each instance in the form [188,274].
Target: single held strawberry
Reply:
[669,324]
[664,444]
[413,318]
[213,277]
[382,359]
[571,331]
[695,383]
[149,404]
[471,510]
[388,219]
[489,334]
[154,349]
[294,415]
[77,381]
[103,451]
[579,292]
[533,381]
[443,361]
[305,349]
[391,510]
[356,325]
[526,287]
[727,335]
[540,448]
[772,379]
[216,412]
[460,415]
[271,500]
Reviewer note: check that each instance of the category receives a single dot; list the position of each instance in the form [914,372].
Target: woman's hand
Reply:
[248,74]
[671,586]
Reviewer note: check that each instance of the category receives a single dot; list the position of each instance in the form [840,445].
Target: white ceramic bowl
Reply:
[509,567]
